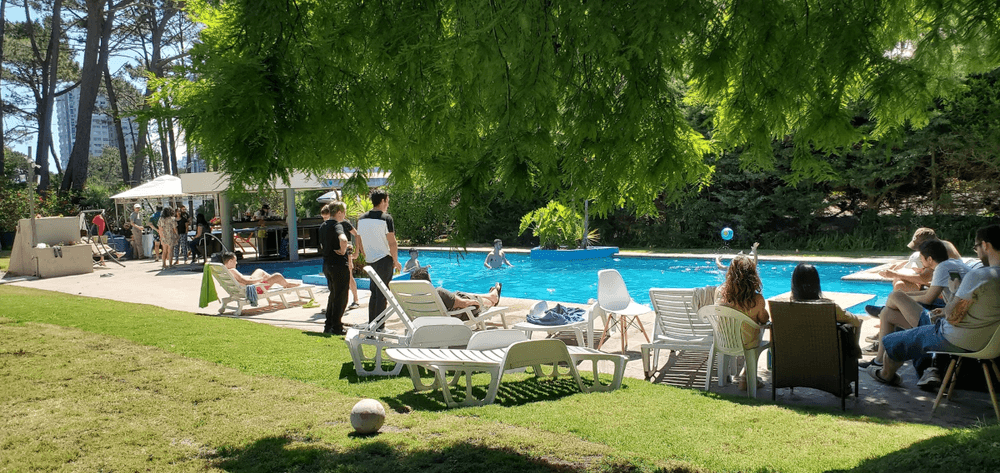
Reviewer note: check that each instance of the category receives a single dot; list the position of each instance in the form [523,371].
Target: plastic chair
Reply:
[428,331]
[677,327]
[985,356]
[727,323]
[613,298]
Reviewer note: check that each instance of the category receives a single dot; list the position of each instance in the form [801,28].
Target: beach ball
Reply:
[367,416]
[727,233]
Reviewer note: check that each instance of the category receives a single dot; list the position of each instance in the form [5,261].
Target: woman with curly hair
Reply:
[742,291]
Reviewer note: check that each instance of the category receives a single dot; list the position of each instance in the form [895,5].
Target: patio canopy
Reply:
[163,186]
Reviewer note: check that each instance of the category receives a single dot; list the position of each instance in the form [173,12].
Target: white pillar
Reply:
[293,227]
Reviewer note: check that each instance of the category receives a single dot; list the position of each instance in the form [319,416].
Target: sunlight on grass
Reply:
[642,425]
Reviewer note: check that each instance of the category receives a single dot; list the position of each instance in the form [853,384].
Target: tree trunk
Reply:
[173,146]
[164,152]
[117,118]
[49,79]
[3,138]
[140,152]
[94,58]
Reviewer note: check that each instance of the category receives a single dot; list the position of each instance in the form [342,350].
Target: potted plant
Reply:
[560,232]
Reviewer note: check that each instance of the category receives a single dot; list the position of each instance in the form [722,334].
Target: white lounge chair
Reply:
[584,327]
[237,293]
[495,359]
[438,332]
[677,327]
[420,299]
[613,298]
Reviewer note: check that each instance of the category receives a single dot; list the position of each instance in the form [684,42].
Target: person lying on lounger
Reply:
[460,300]
[259,276]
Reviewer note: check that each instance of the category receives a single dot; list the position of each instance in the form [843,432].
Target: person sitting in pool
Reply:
[805,287]
[259,276]
[742,291]
[753,252]
[460,300]
[414,264]
[496,258]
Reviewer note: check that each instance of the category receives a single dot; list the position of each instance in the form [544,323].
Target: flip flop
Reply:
[311,304]
[874,370]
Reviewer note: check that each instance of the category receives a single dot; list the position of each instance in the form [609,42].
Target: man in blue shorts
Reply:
[966,324]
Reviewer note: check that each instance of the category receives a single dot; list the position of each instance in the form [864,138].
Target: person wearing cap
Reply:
[914,275]
[137,223]
[966,324]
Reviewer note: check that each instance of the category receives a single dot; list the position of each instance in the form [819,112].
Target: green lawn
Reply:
[101,385]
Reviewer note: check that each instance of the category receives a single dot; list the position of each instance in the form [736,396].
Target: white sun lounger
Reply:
[420,299]
[496,361]
[437,332]
[237,293]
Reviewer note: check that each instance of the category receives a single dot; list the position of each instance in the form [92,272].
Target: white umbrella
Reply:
[329,197]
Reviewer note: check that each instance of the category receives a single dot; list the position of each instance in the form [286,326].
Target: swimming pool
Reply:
[576,281]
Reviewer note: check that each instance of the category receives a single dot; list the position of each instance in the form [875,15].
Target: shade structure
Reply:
[163,186]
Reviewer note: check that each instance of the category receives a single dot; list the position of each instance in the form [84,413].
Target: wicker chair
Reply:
[810,350]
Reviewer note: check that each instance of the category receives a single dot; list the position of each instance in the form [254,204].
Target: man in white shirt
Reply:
[966,324]
[378,243]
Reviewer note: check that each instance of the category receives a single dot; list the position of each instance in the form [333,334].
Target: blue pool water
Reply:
[576,281]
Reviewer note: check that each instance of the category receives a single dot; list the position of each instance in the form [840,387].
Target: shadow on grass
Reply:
[965,450]
[280,454]
[515,390]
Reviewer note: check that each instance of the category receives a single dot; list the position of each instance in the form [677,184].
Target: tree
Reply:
[38,59]
[153,30]
[98,25]
[568,100]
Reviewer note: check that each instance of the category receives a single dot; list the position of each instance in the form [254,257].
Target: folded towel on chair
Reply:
[252,295]
[558,315]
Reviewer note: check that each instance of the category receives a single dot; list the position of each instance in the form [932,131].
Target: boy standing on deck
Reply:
[378,244]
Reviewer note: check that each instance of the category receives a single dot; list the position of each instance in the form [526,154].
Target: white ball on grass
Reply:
[367,416]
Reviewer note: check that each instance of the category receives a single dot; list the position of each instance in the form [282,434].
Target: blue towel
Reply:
[559,315]
[252,295]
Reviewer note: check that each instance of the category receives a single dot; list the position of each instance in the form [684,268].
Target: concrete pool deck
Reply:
[143,282]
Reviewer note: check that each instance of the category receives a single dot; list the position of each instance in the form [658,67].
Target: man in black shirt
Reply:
[336,249]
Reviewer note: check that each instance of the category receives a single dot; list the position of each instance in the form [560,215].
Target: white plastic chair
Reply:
[727,323]
[986,357]
[613,298]
[677,327]
[237,293]
[437,332]
[495,361]
[420,299]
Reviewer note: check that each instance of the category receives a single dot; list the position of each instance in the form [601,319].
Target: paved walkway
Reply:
[144,282]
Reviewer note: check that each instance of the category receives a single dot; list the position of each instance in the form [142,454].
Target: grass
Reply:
[94,384]
[4,260]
